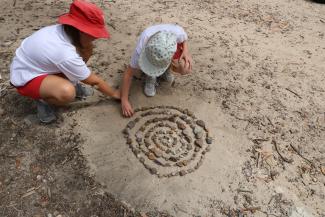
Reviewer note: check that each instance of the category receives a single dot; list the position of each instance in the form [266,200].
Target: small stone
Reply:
[208,149]
[197,149]
[199,143]
[173,159]
[126,131]
[141,159]
[197,129]
[186,132]
[182,173]
[200,123]
[153,171]
[131,124]
[188,139]
[189,147]
[2,111]
[199,135]
[181,126]
[183,117]
[129,141]
[39,177]
[136,120]
[138,140]
[157,152]
[209,140]
[139,135]
[151,156]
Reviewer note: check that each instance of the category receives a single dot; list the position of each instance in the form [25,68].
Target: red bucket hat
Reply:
[87,18]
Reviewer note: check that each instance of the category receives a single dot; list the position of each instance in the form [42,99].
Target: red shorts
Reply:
[32,88]
[178,52]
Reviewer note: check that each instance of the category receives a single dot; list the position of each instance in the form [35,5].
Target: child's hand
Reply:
[188,61]
[127,108]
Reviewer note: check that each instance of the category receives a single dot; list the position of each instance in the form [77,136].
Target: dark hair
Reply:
[74,34]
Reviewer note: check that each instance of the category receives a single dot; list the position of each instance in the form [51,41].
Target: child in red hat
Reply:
[50,63]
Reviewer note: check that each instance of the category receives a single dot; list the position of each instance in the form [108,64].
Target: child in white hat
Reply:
[160,49]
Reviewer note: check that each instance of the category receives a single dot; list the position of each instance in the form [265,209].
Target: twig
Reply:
[279,153]
[299,153]
[14,4]
[291,91]
[245,191]
[251,209]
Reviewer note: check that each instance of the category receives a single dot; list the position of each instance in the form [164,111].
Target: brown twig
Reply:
[299,153]
[250,209]
[279,153]
[291,91]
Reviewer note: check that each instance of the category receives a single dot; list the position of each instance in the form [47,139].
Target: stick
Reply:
[14,4]
[277,150]
[294,93]
[251,209]
[299,153]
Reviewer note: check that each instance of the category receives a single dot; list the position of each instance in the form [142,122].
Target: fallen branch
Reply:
[279,153]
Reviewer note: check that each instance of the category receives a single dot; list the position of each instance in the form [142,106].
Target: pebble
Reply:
[39,177]
[200,123]
[189,147]
[2,111]
[157,152]
[126,131]
[128,141]
[188,139]
[186,132]
[199,143]
[151,156]
[153,170]
[197,130]
[199,135]
[209,140]
[181,126]
[131,124]
[182,173]
[141,159]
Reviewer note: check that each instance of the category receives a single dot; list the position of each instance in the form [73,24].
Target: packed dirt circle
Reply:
[258,86]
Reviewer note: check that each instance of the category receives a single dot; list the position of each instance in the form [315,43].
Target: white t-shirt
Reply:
[47,51]
[147,33]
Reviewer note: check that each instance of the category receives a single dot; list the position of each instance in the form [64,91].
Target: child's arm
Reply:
[102,86]
[126,83]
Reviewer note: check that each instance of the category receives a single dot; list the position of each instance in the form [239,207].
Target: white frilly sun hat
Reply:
[157,54]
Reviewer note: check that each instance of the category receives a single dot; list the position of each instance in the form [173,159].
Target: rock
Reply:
[153,171]
[197,149]
[131,124]
[181,126]
[200,123]
[188,139]
[126,131]
[2,111]
[151,156]
[186,132]
[157,152]
[199,135]
[199,143]
[138,140]
[182,173]
[141,159]
[197,130]
[129,141]
[189,147]
[209,140]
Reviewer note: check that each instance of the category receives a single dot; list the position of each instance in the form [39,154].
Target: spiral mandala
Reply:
[169,141]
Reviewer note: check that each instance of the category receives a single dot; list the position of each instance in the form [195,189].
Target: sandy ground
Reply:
[258,83]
